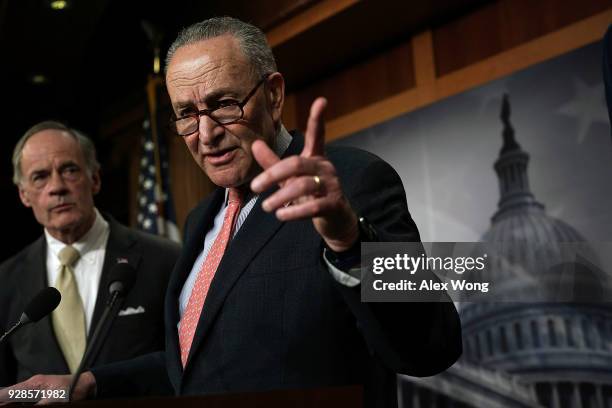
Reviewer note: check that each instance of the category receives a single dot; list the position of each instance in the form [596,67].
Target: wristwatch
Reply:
[351,258]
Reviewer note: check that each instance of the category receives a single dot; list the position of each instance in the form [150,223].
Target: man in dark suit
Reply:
[57,174]
[266,293]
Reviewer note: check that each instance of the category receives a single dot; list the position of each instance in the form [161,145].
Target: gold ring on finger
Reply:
[317,181]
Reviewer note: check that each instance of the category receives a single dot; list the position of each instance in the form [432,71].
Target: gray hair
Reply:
[251,39]
[87,147]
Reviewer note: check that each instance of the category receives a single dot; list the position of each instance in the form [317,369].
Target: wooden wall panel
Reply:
[493,41]
[373,80]
[264,14]
[289,117]
[310,17]
[189,183]
[543,48]
[118,175]
[502,25]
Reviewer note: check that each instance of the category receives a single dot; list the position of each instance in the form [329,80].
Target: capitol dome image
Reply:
[547,342]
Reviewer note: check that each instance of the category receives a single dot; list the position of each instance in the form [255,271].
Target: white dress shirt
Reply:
[88,269]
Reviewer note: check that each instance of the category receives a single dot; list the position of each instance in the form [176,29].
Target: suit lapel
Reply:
[203,218]
[35,270]
[256,231]
[253,235]
[35,280]
[119,248]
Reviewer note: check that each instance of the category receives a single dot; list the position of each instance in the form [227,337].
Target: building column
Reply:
[556,400]
[416,400]
[533,392]
[576,398]
[434,399]
[599,396]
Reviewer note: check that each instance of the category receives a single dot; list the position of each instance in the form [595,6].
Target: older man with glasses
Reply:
[266,293]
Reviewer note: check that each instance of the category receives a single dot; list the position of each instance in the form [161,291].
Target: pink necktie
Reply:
[191,316]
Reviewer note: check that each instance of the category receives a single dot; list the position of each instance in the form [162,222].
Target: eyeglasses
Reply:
[225,114]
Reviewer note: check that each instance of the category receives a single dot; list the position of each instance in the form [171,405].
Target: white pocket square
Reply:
[131,311]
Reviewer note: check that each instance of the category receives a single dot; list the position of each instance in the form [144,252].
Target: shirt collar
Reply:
[87,243]
[282,141]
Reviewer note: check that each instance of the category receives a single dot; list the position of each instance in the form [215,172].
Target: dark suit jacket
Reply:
[34,348]
[274,317]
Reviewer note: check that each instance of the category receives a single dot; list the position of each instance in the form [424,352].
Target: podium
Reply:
[304,398]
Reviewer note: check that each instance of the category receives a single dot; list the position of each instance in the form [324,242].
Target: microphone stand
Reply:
[11,330]
[97,339]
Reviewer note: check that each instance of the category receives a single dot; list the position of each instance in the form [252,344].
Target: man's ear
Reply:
[96,182]
[23,196]
[276,95]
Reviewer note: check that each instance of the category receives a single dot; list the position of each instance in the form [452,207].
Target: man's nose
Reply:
[56,184]
[209,130]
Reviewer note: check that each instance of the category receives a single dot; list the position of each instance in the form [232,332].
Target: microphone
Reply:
[121,277]
[40,306]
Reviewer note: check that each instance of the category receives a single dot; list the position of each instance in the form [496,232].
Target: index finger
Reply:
[264,156]
[314,139]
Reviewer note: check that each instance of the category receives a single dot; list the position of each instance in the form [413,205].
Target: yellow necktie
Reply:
[69,317]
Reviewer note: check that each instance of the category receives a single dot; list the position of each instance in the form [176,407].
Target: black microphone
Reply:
[41,305]
[121,277]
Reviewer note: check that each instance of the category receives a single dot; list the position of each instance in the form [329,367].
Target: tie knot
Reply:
[235,196]
[68,255]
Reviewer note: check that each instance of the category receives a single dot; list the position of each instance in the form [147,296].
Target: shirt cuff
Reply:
[349,279]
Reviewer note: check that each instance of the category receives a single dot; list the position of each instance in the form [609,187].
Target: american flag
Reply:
[155,207]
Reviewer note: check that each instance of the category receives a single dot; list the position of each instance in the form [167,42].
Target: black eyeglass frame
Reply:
[208,112]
